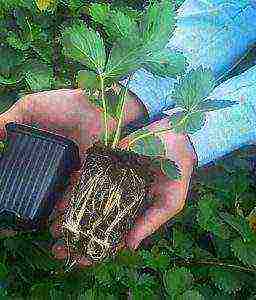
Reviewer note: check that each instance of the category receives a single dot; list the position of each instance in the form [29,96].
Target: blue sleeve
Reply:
[213,33]
[228,129]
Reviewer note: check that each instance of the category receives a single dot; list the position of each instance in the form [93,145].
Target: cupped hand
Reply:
[170,195]
[69,113]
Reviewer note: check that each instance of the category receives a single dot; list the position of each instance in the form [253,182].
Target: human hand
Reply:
[69,113]
[170,194]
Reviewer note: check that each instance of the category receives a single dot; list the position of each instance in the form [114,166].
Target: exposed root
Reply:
[105,202]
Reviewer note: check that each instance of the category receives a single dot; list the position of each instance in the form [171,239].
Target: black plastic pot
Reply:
[109,195]
[34,171]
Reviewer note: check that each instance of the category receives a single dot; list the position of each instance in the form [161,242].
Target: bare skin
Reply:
[69,113]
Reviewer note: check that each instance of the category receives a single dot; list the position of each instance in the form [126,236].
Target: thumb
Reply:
[10,115]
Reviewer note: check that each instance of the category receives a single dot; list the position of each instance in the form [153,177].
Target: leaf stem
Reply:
[156,132]
[121,113]
[104,109]
[217,264]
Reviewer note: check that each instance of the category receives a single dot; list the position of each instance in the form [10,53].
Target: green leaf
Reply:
[9,60]
[122,26]
[178,281]
[239,224]
[209,105]
[99,12]
[16,42]
[128,54]
[245,252]
[182,244]
[190,295]
[86,46]
[208,219]
[3,272]
[165,63]
[193,88]
[187,122]
[156,261]
[88,80]
[124,59]
[116,23]
[170,169]
[149,146]
[39,77]
[157,24]
[226,280]
[41,291]
[9,81]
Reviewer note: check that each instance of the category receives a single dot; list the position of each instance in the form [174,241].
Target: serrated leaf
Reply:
[178,281]
[170,169]
[99,12]
[15,41]
[193,88]
[102,273]
[88,80]
[9,81]
[182,243]
[245,252]
[150,145]
[9,60]
[124,59]
[209,105]
[156,261]
[39,77]
[187,122]
[239,224]
[190,295]
[165,63]
[157,24]
[208,219]
[226,280]
[128,54]
[86,46]
[116,23]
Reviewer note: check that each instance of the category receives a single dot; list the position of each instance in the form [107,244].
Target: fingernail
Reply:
[59,250]
[84,262]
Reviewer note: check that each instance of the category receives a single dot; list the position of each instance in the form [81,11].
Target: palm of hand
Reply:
[68,112]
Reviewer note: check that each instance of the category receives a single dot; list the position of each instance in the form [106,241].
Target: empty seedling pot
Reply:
[110,194]
[34,172]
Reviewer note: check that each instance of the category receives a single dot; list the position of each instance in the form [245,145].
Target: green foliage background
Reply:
[207,252]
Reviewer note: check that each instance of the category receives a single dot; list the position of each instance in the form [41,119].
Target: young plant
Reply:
[132,41]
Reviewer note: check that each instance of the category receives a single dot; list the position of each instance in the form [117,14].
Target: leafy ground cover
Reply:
[206,252]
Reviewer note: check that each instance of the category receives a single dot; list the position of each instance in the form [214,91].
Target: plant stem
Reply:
[104,110]
[217,264]
[120,117]
[156,132]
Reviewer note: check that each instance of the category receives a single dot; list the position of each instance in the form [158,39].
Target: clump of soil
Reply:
[110,194]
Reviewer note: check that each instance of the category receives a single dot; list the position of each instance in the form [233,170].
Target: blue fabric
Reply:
[231,128]
[213,34]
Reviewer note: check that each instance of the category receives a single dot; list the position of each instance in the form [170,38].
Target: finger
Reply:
[7,232]
[60,252]
[171,201]
[11,115]
[63,203]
